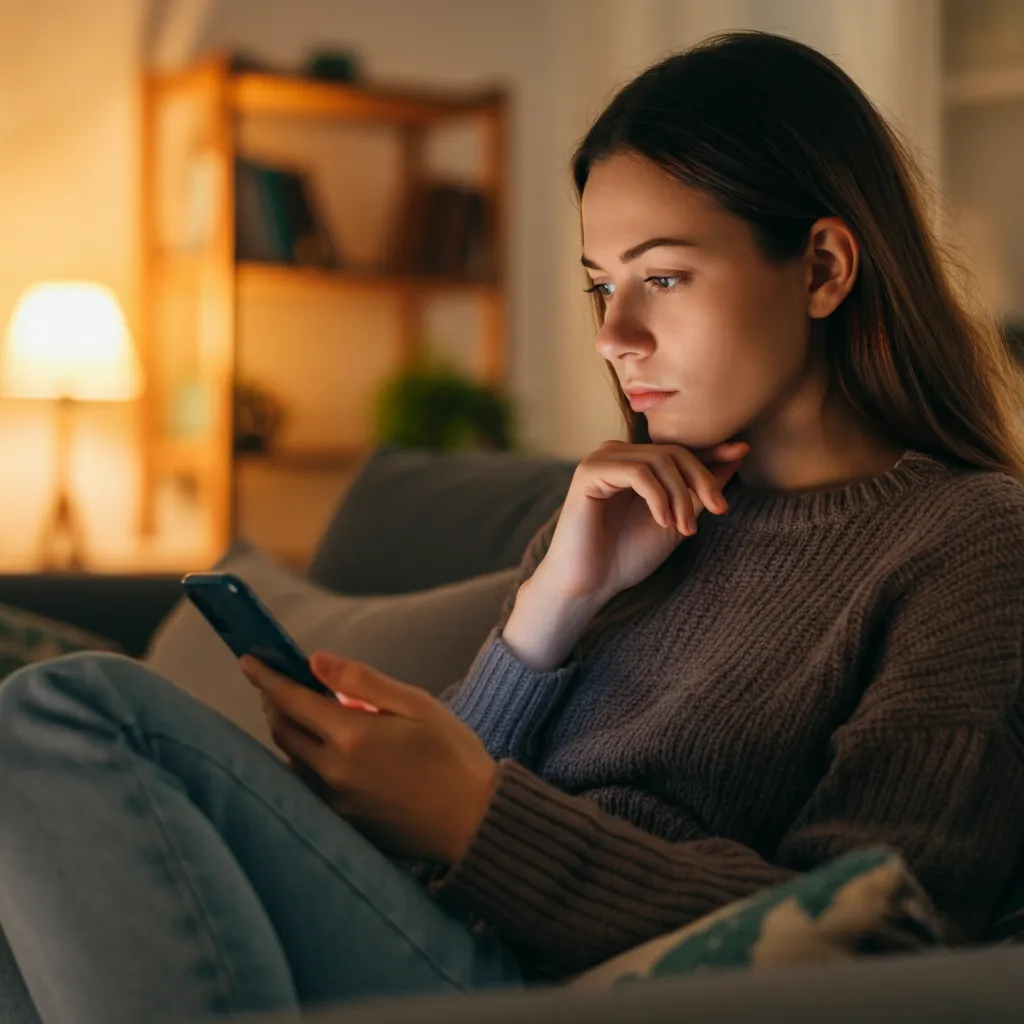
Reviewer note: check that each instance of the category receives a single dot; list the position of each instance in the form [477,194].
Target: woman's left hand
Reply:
[414,779]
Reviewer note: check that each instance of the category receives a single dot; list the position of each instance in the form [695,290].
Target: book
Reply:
[277,219]
[478,256]
[443,230]
[255,233]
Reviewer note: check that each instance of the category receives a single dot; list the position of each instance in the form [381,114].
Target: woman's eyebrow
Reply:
[639,250]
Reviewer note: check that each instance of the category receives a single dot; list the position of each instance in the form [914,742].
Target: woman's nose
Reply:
[621,336]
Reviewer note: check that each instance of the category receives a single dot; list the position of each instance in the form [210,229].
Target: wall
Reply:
[67,209]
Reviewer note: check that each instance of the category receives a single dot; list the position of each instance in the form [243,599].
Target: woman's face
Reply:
[706,316]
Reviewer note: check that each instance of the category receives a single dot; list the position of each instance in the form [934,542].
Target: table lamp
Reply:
[68,342]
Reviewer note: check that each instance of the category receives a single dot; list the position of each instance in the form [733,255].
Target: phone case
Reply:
[246,625]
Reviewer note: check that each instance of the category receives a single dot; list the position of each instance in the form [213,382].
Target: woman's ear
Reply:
[833,259]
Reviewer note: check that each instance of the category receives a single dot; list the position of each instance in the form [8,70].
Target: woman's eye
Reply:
[665,284]
[660,283]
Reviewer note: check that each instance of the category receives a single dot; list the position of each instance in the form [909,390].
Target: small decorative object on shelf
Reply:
[333,65]
[433,406]
[258,418]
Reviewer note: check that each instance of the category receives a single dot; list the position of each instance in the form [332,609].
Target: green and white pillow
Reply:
[25,638]
[865,902]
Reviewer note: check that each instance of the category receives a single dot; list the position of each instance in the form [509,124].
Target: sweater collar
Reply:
[760,507]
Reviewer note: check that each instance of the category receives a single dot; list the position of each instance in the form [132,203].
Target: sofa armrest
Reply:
[125,609]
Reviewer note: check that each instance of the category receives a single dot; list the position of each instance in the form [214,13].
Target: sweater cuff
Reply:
[506,703]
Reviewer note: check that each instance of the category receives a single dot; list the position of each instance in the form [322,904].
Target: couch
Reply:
[414,520]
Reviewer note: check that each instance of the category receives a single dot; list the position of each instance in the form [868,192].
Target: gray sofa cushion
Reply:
[413,520]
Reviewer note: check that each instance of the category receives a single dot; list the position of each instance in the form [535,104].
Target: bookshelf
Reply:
[197,295]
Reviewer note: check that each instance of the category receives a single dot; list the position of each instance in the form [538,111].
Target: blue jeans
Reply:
[158,864]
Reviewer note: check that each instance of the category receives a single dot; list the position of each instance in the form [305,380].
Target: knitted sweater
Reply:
[834,668]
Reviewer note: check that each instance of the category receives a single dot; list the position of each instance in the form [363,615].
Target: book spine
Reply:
[277,217]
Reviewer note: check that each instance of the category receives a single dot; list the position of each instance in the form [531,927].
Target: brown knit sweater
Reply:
[834,668]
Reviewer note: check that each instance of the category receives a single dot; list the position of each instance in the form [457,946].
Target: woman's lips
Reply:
[641,401]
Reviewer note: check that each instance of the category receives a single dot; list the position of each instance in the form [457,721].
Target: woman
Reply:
[666,718]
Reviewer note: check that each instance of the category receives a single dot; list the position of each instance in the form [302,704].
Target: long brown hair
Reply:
[780,136]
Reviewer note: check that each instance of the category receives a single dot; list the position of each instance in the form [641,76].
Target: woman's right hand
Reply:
[629,506]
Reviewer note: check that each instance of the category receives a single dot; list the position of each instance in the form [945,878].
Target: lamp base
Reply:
[63,526]
[64,523]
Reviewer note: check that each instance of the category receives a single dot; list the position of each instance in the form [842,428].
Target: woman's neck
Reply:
[803,468]
[815,442]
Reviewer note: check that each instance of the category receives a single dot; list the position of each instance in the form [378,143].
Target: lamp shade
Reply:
[69,339]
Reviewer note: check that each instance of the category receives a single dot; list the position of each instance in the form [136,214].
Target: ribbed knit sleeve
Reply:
[505,703]
[931,762]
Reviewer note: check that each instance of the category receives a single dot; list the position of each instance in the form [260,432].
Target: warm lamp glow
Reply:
[69,339]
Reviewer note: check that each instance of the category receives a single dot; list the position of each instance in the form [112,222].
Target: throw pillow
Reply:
[26,637]
[866,901]
[427,639]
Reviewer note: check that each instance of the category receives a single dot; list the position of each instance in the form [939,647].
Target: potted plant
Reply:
[434,406]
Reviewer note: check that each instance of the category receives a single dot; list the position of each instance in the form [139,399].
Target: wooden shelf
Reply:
[995,85]
[255,93]
[177,455]
[182,455]
[277,274]
[187,267]
[184,269]
[195,299]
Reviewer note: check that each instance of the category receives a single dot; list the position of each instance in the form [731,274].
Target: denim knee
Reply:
[102,680]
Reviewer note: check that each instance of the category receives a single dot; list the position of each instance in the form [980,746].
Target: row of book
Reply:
[278,218]
[442,229]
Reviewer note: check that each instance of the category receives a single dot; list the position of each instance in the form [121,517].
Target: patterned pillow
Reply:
[862,903]
[25,638]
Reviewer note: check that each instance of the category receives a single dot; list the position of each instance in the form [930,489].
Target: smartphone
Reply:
[245,624]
